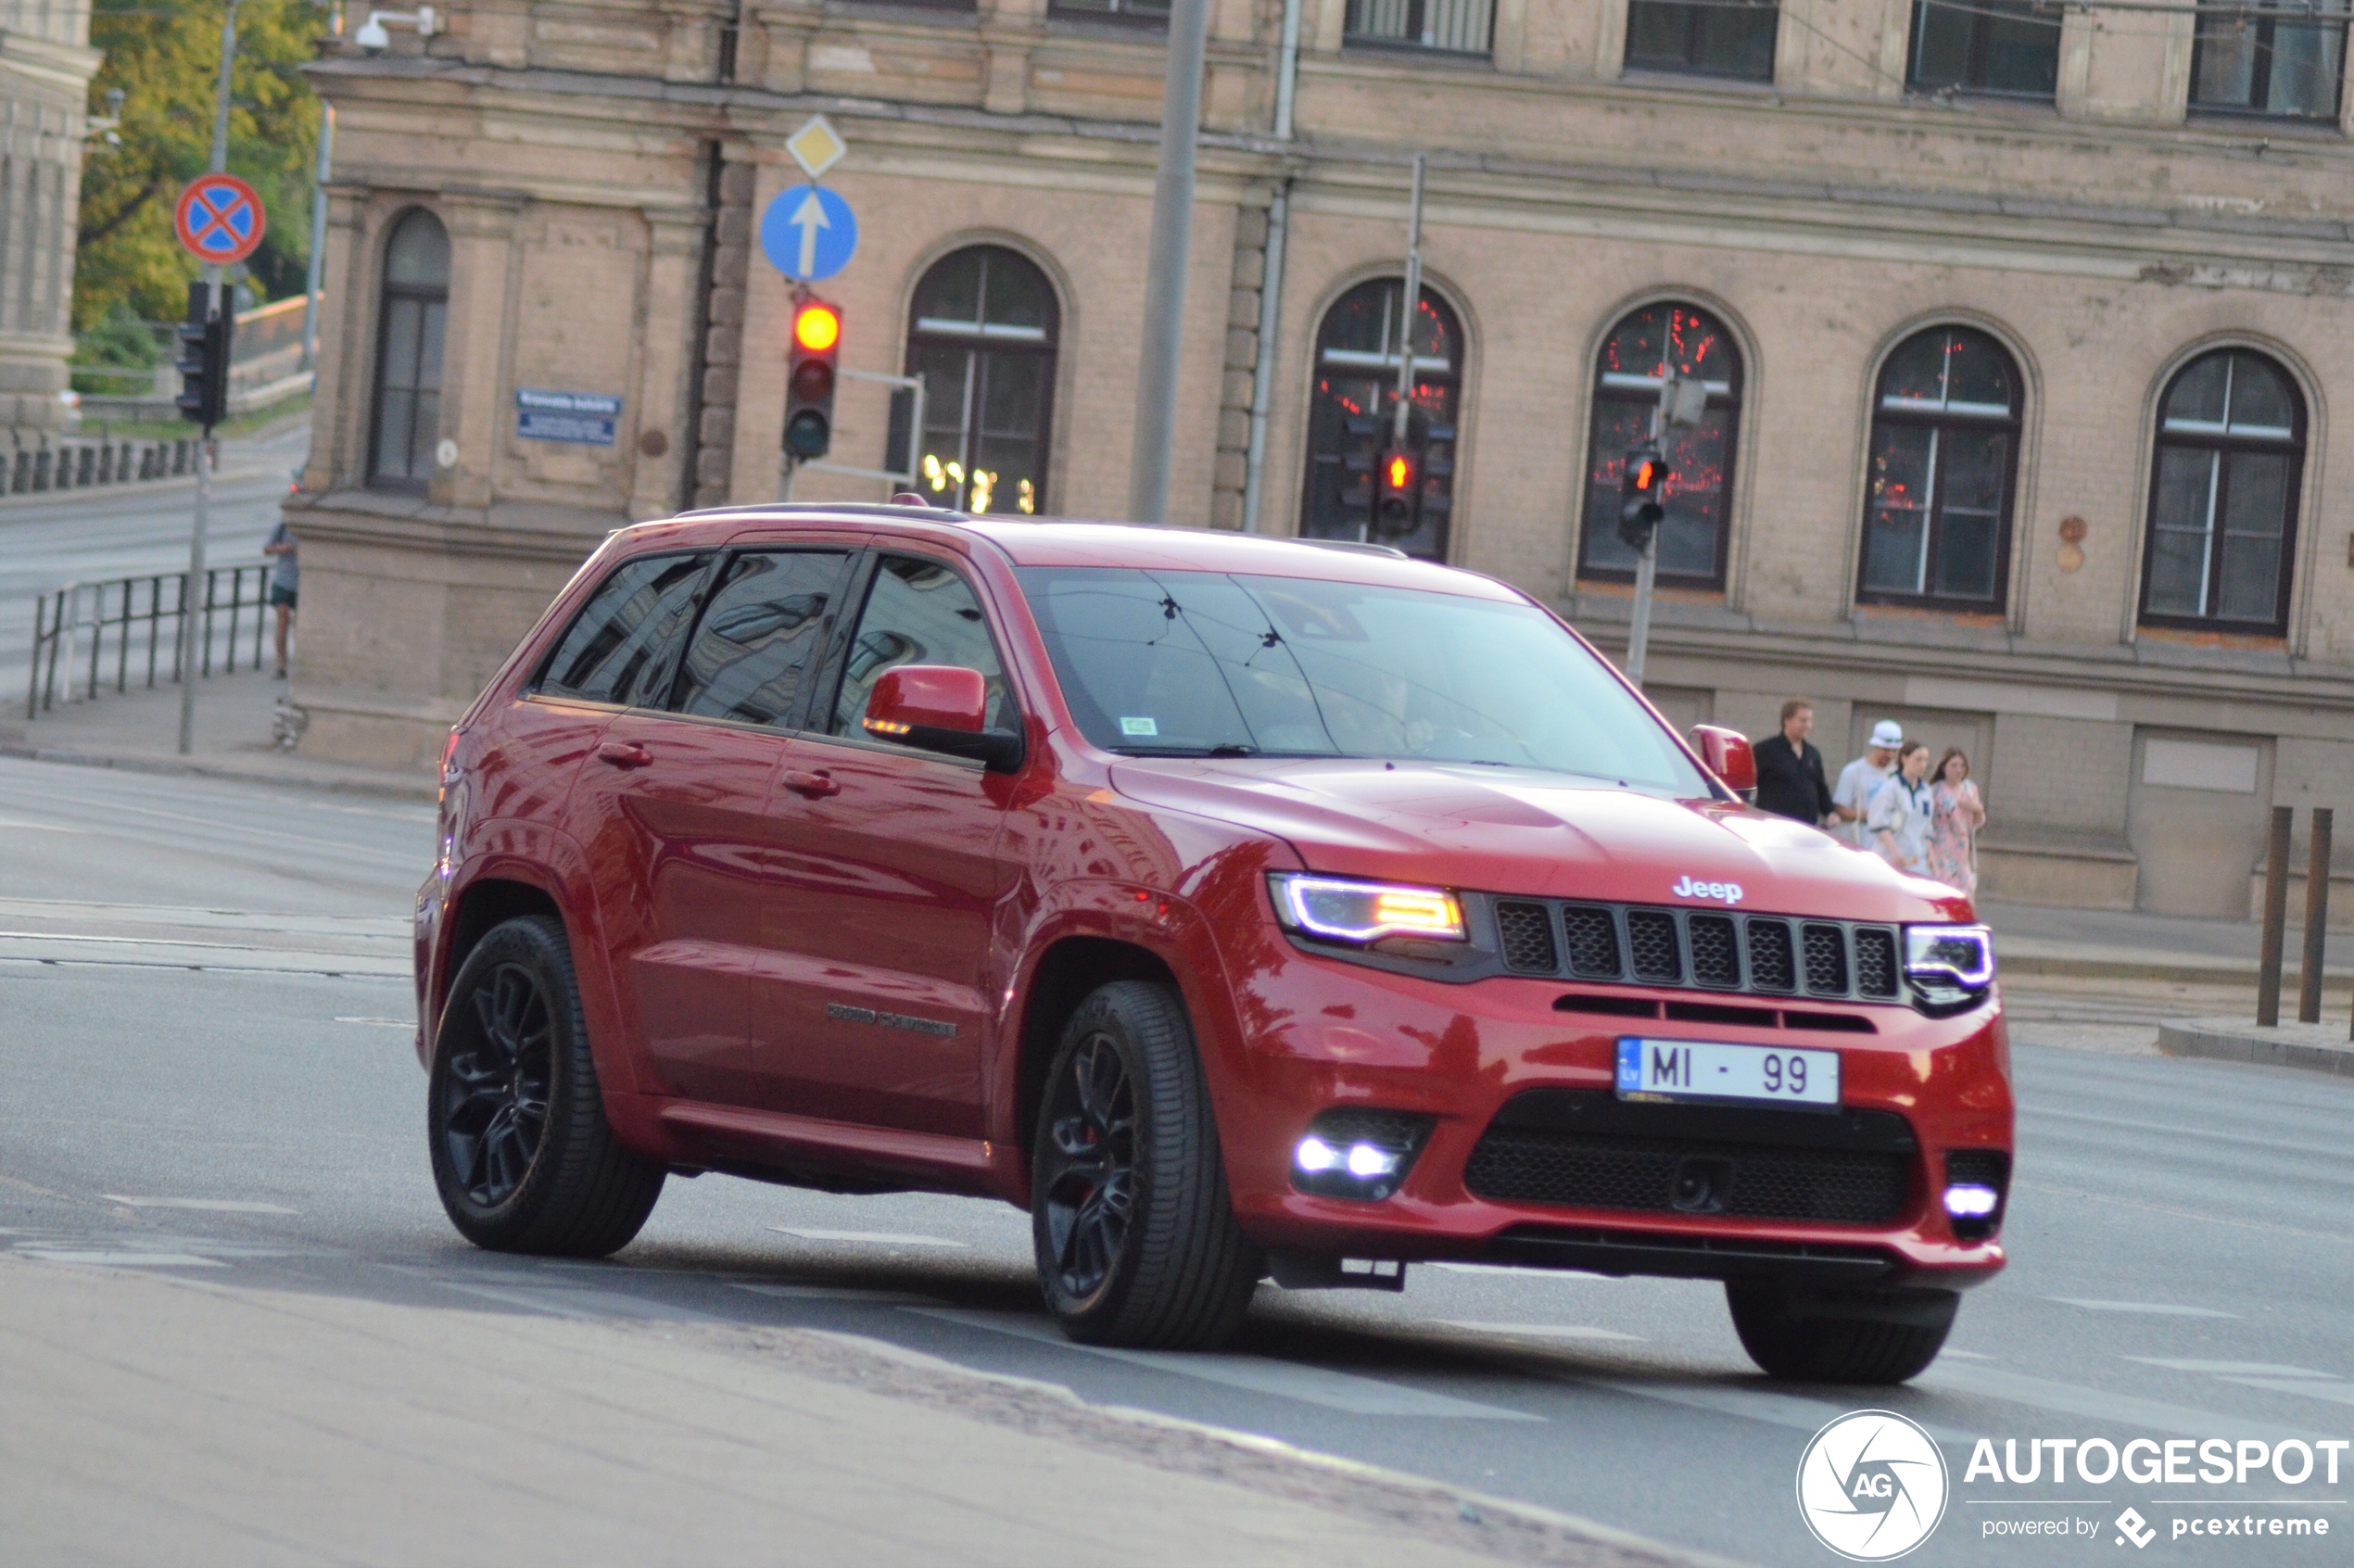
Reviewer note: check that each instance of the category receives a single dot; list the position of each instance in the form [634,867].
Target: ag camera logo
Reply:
[1872,1485]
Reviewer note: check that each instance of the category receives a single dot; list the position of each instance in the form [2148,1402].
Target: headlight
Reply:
[1949,964]
[1351,911]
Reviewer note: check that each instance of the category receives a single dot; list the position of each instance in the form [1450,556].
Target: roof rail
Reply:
[863,509]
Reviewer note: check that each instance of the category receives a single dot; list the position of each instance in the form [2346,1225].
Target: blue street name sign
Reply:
[808,232]
[586,418]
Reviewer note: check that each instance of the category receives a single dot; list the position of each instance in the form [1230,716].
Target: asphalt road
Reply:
[94,535]
[205,1024]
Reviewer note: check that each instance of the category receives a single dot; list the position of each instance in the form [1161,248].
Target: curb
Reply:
[384,788]
[2313,1047]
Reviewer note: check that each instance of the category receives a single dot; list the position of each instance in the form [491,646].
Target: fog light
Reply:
[1315,1154]
[1971,1201]
[1366,1161]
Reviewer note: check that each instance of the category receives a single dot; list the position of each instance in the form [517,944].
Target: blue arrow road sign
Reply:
[809,232]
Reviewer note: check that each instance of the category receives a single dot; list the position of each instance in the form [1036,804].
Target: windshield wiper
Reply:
[1227,750]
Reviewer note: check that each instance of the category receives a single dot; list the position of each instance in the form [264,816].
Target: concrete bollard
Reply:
[2317,918]
[2267,973]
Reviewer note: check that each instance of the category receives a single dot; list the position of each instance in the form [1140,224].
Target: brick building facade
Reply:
[45,66]
[2024,331]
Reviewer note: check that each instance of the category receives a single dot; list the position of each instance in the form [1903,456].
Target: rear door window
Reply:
[762,630]
[623,645]
[919,612]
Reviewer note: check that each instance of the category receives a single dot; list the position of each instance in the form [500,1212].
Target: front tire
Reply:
[1863,1337]
[1135,1234]
[522,1153]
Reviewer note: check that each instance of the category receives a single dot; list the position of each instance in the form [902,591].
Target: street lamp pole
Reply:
[195,583]
[1165,273]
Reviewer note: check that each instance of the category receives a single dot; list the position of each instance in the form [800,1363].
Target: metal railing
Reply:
[86,634]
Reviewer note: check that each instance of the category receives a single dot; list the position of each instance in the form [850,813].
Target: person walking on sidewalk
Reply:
[1861,779]
[1956,813]
[1790,770]
[1899,815]
[283,584]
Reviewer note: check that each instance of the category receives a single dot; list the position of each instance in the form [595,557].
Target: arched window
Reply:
[1636,360]
[1937,507]
[2231,452]
[1352,424]
[410,319]
[983,341]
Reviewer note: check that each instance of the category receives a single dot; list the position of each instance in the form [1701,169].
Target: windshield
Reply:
[1210,664]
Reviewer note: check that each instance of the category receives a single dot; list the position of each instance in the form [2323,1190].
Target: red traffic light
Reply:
[818,327]
[1398,471]
[1641,477]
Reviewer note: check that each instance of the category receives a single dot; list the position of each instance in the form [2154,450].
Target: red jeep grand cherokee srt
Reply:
[1235,905]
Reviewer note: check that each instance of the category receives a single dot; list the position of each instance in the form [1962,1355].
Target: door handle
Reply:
[814,785]
[623,754]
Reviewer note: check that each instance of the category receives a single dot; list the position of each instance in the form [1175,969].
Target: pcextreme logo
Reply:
[1872,1485]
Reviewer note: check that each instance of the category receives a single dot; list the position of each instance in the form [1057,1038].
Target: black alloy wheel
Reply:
[523,1155]
[1135,1235]
[1089,1174]
[494,1097]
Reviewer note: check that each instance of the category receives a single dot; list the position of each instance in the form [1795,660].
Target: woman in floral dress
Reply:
[1955,815]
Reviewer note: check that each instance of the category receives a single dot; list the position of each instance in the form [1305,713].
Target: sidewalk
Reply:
[140,730]
[2110,945]
[169,1419]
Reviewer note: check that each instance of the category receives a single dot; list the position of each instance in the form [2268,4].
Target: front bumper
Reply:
[1340,1034]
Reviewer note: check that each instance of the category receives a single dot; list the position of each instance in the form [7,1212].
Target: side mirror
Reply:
[940,708]
[1729,757]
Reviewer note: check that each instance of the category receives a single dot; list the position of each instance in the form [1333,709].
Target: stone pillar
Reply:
[474,358]
[45,66]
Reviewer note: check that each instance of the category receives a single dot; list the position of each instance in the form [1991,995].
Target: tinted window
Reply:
[1193,664]
[622,646]
[763,624]
[919,612]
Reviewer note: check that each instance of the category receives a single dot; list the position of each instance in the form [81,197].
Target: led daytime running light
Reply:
[1346,911]
[1960,955]
[1971,1200]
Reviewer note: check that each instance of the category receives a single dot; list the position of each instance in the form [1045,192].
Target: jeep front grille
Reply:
[1700,949]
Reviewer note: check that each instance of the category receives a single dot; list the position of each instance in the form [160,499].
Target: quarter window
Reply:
[1636,357]
[919,612]
[983,341]
[410,321]
[2272,56]
[2231,452]
[1352,423]
[2007,47]
[623,645]
[763,624]
[1733,38]
[1944,450]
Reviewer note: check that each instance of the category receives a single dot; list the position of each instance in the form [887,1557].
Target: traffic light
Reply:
[204,359]
[1360,455]
[1394,512]
[809,379]
[1643,491]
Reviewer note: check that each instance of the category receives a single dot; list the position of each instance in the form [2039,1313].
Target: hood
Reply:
[1517,831]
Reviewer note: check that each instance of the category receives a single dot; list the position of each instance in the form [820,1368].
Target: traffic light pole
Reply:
[1411,303]
[216,294]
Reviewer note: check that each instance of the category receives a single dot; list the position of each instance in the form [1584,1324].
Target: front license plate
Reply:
[1746,1075]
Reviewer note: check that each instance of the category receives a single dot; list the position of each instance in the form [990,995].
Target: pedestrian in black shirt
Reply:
[1790,770]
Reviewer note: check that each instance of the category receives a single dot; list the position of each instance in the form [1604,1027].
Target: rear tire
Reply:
[1867,1337]
[1135,1234]
[522,1153]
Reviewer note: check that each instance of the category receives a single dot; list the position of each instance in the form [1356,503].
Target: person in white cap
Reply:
[1861,779]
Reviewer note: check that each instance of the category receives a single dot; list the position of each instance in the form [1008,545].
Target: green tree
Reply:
[165,58]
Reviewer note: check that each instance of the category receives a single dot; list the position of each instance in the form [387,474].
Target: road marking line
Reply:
[381,1023]
[2248,1140]
[42,827]
[872,1239]
[2246,1369]
[118,1259]
[208,1205]
[1790,1410]
[1543,1331]
[588,1306]
[1257,1374]
[2097,1404]
[2319,1386]
[2156,1309]
[838,1293]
